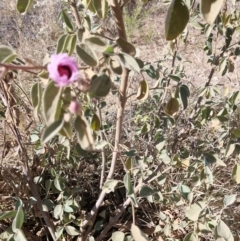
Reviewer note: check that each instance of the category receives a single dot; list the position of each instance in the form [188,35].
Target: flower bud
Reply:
[75,107]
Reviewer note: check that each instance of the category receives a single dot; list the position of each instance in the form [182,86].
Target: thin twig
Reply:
[103,151]
[20,67]
[76,13]
[101,35]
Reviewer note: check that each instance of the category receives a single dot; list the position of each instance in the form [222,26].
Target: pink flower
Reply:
[75,107]
[63,70]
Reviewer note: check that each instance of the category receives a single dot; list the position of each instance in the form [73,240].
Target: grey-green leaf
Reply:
[51,131]
[72,230]
[86,54]
[18,220]
[8,214]
[223,231]
[129,62]
[146,191]
[19,235]
[194,210]
[67,20]
[191,237]
[7,55]
[96,43]
[229,199]
[184,94]
[84,134]
[176,20]
[118,236]
[36,96]
[137,234]
[51,106]
[126,47]
[110,185]
[100,86]
[23,5]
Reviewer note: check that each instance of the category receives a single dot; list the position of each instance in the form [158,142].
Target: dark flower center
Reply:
[64,70]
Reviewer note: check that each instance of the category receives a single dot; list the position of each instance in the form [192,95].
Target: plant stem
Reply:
[116,9]
[20,67]
[76,14]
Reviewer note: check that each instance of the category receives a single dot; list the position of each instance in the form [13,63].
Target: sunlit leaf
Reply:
[236,173]
[84,134]
[137,234]
[143,90]
[172,106]
[229,199]
[176,20]
[210,9]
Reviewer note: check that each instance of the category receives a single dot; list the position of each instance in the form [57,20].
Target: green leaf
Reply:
[47,205]
[72,44]
[174,77]
[67,20]
[160,145]
[96,43]
[61,43]
[18,220]
[137,234]
[89,5]
[176,20]
[194,210]
[100,86]
[236,133]
[191,237]
[36,96]
[57,184]
[58,211]
[210,9]
[23,5]
[7,55]
[51,131]
[67,209]
[230,149]
[223,231]
[95,123]
[172,106]
[19,235]
[72,230]
[109,185]
[129,62]
[66,130]
[59,231]
[184,94]
[84,134]
[86,54]
[100,145]
[51,106]
[222,66]
[185,190]
[118,236]
[143,90]
[82,34]
[229,199]
[236,173]
[128,183]
[8,214]
[109,50]
[115,66]
[126,47]
[101,8]
[146,191]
